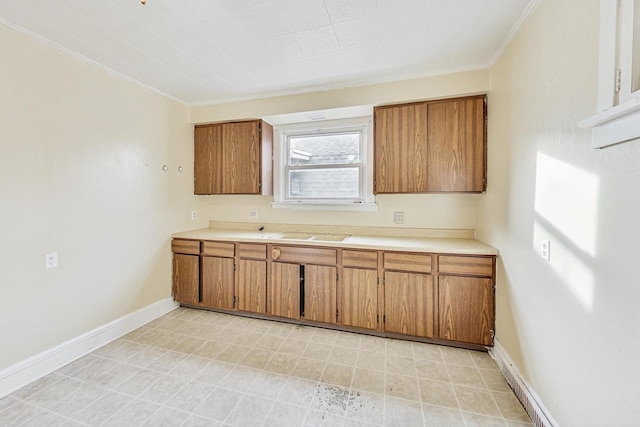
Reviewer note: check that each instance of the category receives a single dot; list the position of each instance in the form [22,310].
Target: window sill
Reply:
[615,125]
[361,207]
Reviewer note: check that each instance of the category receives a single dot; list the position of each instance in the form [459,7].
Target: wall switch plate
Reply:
[253,215]
[51,260]
[398,217]
[194,215]
[545,247]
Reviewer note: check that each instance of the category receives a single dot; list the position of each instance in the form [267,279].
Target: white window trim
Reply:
[280,158]
[615,122]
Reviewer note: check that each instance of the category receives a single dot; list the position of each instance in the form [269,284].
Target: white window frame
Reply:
[281,168]
[618,117]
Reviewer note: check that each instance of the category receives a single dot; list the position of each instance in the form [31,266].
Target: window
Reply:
[323,165]
[619,75]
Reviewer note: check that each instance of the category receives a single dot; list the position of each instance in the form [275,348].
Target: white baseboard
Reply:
[531,402]
[25,372]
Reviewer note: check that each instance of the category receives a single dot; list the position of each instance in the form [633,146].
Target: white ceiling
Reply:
[210,51]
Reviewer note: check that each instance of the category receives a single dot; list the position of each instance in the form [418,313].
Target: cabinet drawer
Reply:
[419,263]
[297,255]
[359,259]
[220,249]
[190,247]
[472,265]
[252,251]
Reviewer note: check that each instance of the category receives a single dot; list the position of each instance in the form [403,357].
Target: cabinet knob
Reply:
[275,253]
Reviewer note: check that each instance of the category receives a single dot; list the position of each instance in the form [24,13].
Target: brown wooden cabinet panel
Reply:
[181,246]
[408,301]
[252,286]
[233,158]
[284,295]
[208,159]
[400,151]
[220,249]
[252,251]
[186,278]
[320,293]
[466,309]
[359,259]
[466,265]
[456,146]
[419,263]
[358,289]
[217,282]
[302,255]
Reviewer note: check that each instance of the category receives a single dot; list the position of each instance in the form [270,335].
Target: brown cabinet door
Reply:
[217,282]
[466,309]
[358,290]
[456,149]
[401,149]
[208,159]
[408,301]
[252,286]
[241,158]
[186,278]
[320,293]
[285,290]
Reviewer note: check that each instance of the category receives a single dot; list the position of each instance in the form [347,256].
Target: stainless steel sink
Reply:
[299,235]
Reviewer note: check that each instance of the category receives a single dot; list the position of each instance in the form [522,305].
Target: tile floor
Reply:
[199,368]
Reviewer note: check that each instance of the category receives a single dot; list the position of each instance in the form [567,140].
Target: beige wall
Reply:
[427,210]
[571,324]
[81,154]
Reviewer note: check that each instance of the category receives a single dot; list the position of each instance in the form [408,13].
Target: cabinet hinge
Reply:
[377,280]
[336,314]
[234,301]
[234,268]
[493,333]
[384,318]
[377,318]
[618,80]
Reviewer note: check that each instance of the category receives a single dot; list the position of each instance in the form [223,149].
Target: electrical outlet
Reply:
[51,260]
[253,215]
[545,250]
[194,215]
[398,217]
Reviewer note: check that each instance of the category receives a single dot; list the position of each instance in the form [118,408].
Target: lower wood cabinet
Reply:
[445,297]
[186,278]
[217,282]
[358,295]
[466,309]
[408,302]
[285,290]
[252,286]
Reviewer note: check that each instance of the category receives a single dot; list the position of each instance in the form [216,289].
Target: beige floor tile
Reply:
[145,356]
[365,407]
[309,369]
[331,399]
[438,393]
[167,361]
[267,385]
[495,381]
[166,417]
[317,351]
[402,413]
[74,403]
[210,349]
[162,390]
[102,409]
[343,356]
[347,339]
[281,329]
[284,414]
[301,333]
[322,419]
[339,375]
[293,346]
[219,404]
[190,396]
[441,417]
[247,338]
[270,342]
[425,351]
[371,360]
[324,336]
[18,413]
[189,345]
[476,400]
[373,344]
[135,413]
[196,421]
[138,383]
[400,348]
[432,370]
[465,375]
[282,363]
[483,360]
[298,392]
[189,367]
[214,372]
[477,420]
[49,396]
[402,386]
[457,356]
[251,411]
[396,364]
[240,379]
[510,407]
[368,380]
[257,358]
[233,353]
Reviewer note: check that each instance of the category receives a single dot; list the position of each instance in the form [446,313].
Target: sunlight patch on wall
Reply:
[567,197]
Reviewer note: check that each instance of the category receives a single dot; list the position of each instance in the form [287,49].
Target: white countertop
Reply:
[377,239]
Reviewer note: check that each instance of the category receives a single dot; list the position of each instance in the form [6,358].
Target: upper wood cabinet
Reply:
[233,158]
[434,146]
